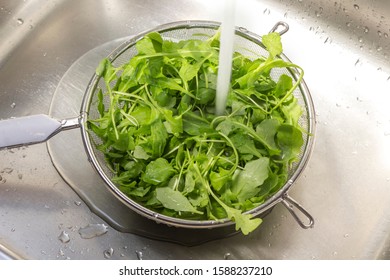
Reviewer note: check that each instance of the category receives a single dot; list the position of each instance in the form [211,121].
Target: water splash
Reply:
[140,255]
[64,237]
[93,230]
[108,253]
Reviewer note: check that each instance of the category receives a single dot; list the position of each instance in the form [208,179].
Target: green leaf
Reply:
[245,144]
[244,222]
[189,184]
[139,153]
[175,200]
[290,140]
[173,124]
[193,124]
[273,44]
[246,182]
[267,130]
[188,71]
[284,84]
[158,138]
[220,178]
[158,171]
[102,67]
[292,112]
[150,44]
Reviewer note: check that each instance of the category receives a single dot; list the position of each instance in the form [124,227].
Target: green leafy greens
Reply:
[172,154]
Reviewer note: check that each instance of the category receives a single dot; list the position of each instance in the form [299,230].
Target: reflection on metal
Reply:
[345,186]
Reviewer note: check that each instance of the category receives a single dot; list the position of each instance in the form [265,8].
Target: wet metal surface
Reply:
[343,46]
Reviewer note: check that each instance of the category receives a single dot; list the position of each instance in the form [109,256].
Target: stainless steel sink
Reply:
[343,46]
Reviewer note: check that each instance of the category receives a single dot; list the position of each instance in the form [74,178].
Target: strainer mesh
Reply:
[246,43]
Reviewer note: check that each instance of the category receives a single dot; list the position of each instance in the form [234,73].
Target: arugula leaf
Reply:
[246,182]
[273,44]
[290,140]
[158,171]
[245,223]
[245,144]
[174,200]
[219,179]
[267,130]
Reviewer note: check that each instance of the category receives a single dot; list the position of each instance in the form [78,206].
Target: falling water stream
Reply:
[225,56]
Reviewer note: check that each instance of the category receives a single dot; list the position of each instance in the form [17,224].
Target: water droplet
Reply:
[20,21]
[357,62]
[108,253]
[93,230]
[77,203]
[45,54]
[360,39]
[328,40]
[61,253]
[366,29]
[12,230]
[348,24]
[20,176]
[7,170]
[379,33]
[226,256]
[139,254]
[335,253]
[64,237]
[31,26]
[346,235]
[379,48]
[386,35]
[356,6]
[13,105]
[317,13]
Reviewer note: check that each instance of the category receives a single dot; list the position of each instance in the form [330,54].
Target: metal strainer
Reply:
[39,128]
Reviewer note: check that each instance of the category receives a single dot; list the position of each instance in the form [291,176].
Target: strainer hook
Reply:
[281,24]
[291,205]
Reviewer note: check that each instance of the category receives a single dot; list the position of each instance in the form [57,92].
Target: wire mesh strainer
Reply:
[249,45]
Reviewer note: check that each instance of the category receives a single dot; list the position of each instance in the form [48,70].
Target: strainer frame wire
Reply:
[278,197]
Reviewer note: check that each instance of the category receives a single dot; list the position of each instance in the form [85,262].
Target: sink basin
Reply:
[344,48]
